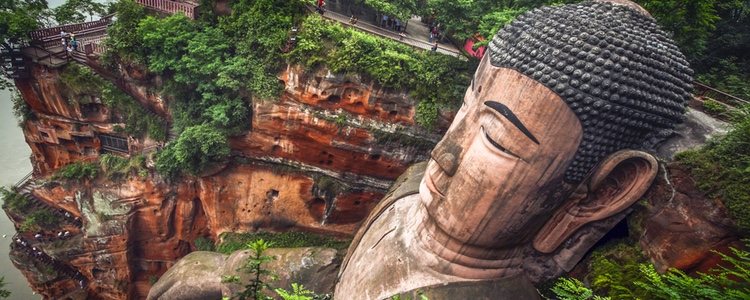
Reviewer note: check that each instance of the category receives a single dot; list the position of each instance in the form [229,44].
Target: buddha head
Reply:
[553,136]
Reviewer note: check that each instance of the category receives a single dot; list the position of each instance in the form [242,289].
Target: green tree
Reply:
[197,148]
[17,19]
[254,266]
[76,11]
[402,9]
[691,21]
[123,41]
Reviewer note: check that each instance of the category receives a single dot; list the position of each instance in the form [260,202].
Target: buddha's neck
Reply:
[458,258]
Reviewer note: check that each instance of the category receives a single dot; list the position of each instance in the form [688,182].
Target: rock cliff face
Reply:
[680,227]
[318,158]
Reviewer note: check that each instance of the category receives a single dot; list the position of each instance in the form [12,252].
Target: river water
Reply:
[14,164]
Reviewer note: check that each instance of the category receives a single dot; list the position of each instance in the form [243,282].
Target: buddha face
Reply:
[497,174]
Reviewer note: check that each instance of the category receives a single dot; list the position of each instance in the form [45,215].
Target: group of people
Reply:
[59,267]
[61,235]
[69,41]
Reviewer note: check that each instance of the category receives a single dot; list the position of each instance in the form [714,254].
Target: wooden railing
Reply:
[170,7]
[704,91]
[43,33]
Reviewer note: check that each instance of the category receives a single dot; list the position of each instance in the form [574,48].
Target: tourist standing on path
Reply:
[435,46]
[63,37]
[321,3]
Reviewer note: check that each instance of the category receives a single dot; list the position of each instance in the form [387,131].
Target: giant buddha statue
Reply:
[547,153]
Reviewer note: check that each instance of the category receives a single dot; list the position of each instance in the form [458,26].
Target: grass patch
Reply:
[292,239]
[77,171]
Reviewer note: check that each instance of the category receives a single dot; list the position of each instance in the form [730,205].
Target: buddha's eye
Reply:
[497,145]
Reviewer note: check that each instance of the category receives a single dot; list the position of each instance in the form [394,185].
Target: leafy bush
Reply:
[137,119]
[236,241]
[123,42]
[197,148]
[713,107]
[117,167]
[14,201]
[721,168]
[21,109]
[77,171]
[79,81]
[204,244]
[37,220]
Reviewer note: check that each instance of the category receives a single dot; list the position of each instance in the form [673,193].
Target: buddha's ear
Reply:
[616,183]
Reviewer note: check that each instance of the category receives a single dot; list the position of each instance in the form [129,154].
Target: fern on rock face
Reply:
[725,282]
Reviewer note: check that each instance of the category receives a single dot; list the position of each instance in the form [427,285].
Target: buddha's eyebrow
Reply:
[508,114]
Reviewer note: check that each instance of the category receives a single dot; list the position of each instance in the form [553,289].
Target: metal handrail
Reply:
[702,90]
[22,181]
[43,33]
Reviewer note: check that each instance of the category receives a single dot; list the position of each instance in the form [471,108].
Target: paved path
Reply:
[417,34]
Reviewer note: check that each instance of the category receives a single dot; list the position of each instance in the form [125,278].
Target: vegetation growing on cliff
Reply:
[116,167]
[14,201]
[82,85]
[434,80]
[198,148]
[77,171]
[721,168]
[725,282]
[231,242]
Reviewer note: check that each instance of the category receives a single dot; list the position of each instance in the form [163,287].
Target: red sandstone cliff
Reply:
[318,158]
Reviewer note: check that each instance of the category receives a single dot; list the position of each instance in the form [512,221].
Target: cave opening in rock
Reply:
[334,99]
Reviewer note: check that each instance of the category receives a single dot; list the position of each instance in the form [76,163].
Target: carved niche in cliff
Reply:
[547,153]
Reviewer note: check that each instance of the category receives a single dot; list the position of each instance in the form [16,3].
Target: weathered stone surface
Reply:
[697,128]
[680,226]
[198,275]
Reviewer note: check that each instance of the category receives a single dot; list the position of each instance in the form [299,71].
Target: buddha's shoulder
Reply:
[407,183]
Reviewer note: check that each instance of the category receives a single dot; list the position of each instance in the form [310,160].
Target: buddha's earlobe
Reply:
[617,182]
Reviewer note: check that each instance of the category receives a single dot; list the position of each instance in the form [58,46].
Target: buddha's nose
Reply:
[446,154]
